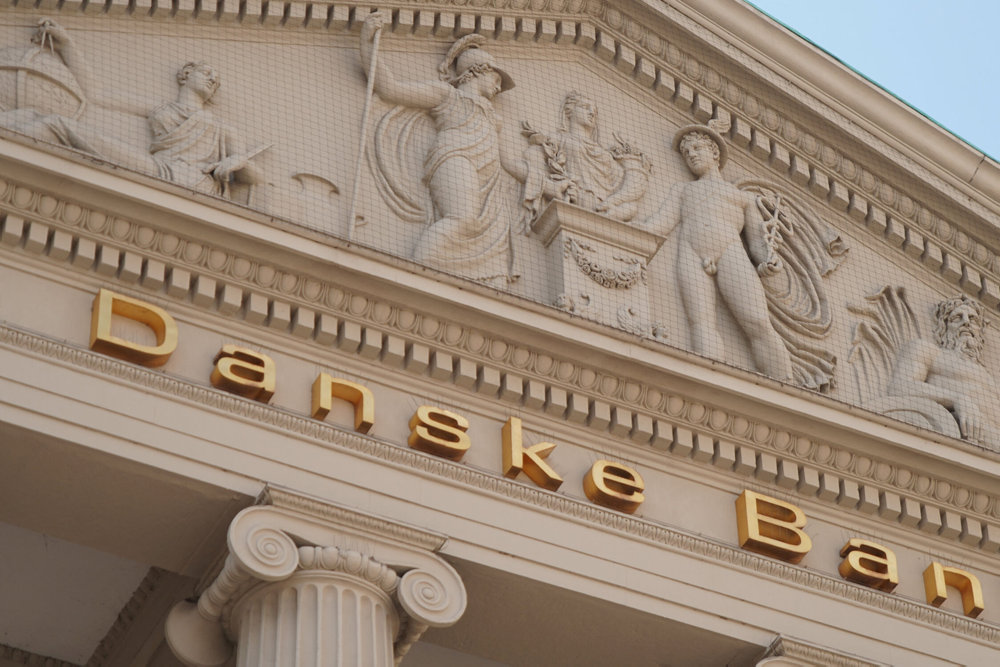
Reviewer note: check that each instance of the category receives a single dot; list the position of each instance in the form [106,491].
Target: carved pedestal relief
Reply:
[937,382]
[596,266]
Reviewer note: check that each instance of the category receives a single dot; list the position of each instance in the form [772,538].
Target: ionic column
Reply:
[279,602]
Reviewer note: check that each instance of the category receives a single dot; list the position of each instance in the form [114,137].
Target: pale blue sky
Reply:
[939,56]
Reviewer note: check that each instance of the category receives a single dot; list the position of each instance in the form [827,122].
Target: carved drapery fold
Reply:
[292,592]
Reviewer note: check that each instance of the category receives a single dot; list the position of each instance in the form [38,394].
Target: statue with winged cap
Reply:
[436,158]
[753,249]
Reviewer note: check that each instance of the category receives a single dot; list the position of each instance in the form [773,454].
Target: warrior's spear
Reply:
[370,91]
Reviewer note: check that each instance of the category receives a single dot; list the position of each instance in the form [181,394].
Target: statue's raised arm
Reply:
[416,94]
[437,158]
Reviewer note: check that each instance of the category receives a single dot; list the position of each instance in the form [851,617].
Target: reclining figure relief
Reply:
[189,144]
[755,250]
[606,180]
[939,383]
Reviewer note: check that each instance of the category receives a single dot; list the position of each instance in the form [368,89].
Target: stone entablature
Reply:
[645,531]
[810,361]
[371,330]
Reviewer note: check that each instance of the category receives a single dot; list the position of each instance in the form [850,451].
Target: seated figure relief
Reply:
[606,180]
[755,250]
[190,145]
[939,383]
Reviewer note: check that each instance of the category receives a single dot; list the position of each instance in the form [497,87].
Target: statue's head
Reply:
[579,110]
[960,326]
[707,137]
[699,151]
[474,63]
[201,77]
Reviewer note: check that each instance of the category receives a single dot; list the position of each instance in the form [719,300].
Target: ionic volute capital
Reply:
[272,543]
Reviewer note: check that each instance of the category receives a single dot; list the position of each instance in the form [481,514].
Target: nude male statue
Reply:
[715,219]
[950,370]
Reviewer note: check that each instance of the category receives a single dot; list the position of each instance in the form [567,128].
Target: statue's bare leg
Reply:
[742,291]
[698,296]
[455,192]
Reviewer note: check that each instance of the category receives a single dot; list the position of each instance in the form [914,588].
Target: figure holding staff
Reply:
[468,230]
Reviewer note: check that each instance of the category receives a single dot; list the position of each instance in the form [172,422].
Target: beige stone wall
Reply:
[628,374]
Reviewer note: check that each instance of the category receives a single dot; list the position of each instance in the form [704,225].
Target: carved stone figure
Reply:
[189,146]
[941,384]
[607,180]
[755,250]
[43,88]
[468,219]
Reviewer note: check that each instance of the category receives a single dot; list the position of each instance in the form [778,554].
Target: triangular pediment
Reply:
[542,190]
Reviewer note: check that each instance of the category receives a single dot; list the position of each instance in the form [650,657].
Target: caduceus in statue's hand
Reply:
[775,226]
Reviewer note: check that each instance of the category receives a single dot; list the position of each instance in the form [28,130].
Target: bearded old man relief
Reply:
[939,383]
[950,369]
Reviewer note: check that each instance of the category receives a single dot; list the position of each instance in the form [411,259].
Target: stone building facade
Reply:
[494,333]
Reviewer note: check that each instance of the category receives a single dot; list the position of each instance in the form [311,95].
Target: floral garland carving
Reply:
[605,276]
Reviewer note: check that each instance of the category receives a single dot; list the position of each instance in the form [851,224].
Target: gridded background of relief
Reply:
[796,261]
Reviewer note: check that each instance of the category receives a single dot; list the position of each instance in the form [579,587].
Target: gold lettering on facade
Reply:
[517,458]
[771,527]
[439,432]
[937,578]
[614,485]
[106,304]
[245,372]
[765,525]
[869,564]
[327,388]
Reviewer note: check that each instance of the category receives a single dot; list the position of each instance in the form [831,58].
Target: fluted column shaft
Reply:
[315,619]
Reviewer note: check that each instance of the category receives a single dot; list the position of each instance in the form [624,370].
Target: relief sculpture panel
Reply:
[580,188]
[939,382]
[751,249]
[188,144]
